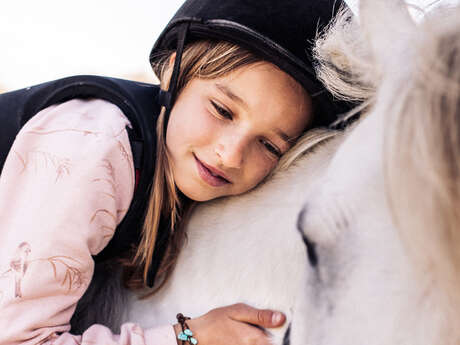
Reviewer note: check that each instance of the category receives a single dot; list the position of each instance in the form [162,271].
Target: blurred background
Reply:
[48,39]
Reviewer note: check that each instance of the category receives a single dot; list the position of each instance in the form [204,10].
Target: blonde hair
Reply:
[205,60]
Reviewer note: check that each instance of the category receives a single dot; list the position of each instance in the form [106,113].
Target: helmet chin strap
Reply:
[167,98]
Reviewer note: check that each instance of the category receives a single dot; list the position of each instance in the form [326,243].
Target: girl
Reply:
[237,89]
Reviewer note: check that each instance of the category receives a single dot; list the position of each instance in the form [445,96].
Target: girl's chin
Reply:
[200,195]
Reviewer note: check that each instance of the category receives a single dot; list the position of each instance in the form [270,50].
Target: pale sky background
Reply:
[48,39]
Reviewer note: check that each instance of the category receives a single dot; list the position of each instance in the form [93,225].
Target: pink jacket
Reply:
[67,183]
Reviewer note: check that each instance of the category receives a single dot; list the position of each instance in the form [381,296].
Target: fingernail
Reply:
[276,317]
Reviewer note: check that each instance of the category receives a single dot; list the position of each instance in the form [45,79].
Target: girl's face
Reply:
[225,135]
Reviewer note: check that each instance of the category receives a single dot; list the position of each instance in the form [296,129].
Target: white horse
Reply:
[377,207]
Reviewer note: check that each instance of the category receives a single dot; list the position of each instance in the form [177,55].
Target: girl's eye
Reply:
[222,111]
[271,148]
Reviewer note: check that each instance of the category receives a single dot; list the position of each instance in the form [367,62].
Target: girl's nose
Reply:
[231,153]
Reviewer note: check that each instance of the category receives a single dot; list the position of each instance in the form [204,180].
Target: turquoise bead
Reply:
[188,332]
[193,341]
[182,336]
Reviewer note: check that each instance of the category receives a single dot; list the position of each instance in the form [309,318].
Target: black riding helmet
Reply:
[279,31]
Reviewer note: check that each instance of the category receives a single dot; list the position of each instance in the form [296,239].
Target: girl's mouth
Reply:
[210,177]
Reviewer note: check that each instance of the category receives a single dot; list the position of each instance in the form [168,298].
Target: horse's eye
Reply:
[310,246]
[311,251]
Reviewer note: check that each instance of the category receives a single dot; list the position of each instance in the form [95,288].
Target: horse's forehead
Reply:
[359,155]
[349,221]
[352,182]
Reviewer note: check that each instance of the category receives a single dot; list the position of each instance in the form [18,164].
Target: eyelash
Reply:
[222,112]
[229,116]
[271,148]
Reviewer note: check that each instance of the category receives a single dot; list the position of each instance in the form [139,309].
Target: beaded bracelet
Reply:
[186,335]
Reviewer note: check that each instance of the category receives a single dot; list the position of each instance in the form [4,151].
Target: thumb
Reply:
[261,317]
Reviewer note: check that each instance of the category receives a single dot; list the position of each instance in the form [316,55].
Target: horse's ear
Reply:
[388,25]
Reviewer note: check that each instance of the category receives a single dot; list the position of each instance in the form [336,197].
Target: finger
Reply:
[262,317]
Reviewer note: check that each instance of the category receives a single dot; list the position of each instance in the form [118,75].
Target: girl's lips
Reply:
[208,177]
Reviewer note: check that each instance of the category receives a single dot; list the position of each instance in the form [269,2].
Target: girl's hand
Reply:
[234,325]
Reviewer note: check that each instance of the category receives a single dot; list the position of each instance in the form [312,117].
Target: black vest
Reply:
[139,103]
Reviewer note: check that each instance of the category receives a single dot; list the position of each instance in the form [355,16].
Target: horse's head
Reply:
[382,226]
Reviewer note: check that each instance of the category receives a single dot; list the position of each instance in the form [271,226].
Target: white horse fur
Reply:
[243,249]
[383,266]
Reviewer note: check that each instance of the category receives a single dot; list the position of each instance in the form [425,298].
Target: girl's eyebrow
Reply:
[230,94]
[283,136]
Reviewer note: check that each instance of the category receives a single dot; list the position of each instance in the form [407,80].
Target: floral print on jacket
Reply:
[66,184]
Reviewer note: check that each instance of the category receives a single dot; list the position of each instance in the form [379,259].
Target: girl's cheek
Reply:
[177,131]
[206,123]
[261,165]
[193,123]
[266,161]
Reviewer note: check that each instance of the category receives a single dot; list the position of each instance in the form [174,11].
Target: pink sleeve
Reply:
[67,183]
